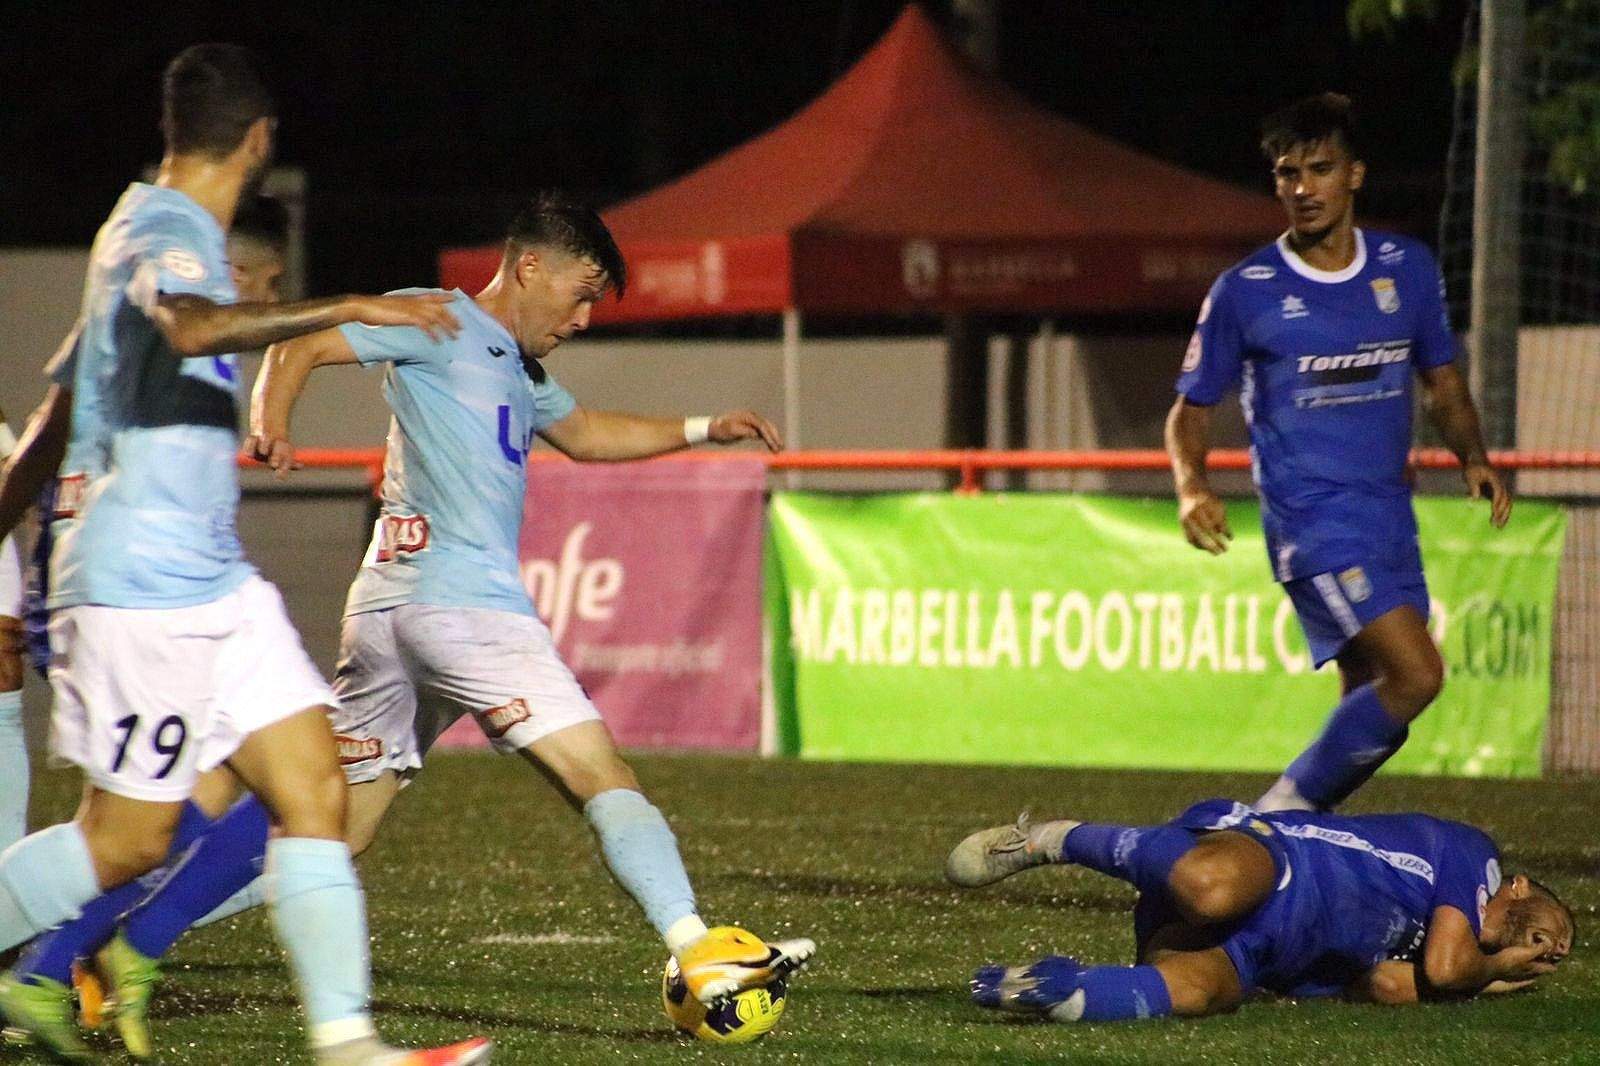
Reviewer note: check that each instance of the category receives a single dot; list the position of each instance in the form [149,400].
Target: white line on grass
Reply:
[536,939]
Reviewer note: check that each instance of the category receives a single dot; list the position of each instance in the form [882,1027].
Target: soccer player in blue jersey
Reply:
[1322,332]
[169,654]
[1388,907]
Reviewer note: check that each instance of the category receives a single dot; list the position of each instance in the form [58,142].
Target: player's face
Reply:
[1526,919]
[257,271]
[557,292]
[1316,184]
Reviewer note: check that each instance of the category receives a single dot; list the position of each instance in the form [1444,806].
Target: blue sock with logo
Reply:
[1141,856]
[227,859]
[44,880]
[53,954]
[1119,993]
[1358,738]
[321,921]
[13,771]
[642,854]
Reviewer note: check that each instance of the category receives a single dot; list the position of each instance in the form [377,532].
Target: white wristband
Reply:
[697,429]
[8,441]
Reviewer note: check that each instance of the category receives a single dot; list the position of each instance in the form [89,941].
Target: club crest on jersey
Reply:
[400,534]
[1386,294]
[498,721]
[1294,307]
[1355,584]
[353,750]
[1259,272]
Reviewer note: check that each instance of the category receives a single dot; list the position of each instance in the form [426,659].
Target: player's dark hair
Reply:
[554,220]
[1310,121]
[263,219]
[210,96]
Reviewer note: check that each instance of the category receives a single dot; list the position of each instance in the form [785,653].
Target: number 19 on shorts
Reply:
[166,738]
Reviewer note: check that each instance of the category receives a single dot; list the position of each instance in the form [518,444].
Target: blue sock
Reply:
[53,954]
[642,855]
[1357,740]
[1143,857]
[13,771]
[226,860]
[44,879]
[321,920]
[247,898]
[1116,993]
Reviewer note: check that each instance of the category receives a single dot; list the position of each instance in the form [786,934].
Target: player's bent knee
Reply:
[122,857]
[1221,880]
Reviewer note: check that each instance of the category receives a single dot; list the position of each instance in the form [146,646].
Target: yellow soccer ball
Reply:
[739,1019]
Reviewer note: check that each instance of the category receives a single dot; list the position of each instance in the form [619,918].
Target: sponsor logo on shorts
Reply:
[401,534]
[1258,273]
[69,495]
[498,721]
[1355,584]
[353,750]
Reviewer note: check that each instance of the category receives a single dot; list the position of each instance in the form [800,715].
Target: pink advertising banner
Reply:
[649,577]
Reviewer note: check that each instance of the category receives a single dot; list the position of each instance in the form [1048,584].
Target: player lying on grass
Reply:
[1392,908]
[438,623]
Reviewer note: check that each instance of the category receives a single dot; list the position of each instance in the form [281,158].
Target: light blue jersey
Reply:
[464,416]
[149,492]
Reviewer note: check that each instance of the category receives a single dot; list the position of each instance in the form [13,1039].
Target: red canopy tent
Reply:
[917,183]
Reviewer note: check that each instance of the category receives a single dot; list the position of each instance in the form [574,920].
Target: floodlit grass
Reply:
[491,914]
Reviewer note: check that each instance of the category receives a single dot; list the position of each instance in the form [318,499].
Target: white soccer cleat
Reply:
[990,855]
[370,1051]
[728,960]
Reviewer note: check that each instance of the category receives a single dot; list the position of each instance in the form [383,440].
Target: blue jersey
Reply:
[1352,892]
[150,488]
[465,412]
[1324,361]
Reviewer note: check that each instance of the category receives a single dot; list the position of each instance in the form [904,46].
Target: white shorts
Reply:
[147,699]
[406,673]
[10,579]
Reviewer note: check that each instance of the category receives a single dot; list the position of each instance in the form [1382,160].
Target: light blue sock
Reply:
[643,856]
[321,920]
[247,898]
[44,880]
[13,771]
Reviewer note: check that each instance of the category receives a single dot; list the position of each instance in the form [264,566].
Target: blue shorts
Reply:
[1287,944]
[1335,606]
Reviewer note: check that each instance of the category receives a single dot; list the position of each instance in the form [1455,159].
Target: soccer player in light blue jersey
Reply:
[170,655]
[438,623]
[1393,908]
[13,740]
[1323,332]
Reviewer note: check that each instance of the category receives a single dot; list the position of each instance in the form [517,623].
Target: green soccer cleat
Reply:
[40,1012]
[132,977]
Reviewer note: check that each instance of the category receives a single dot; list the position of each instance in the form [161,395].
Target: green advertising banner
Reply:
[1072,630]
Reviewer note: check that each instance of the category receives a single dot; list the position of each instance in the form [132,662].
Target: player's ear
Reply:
[529,266]
[258,138]
[1358,175]
[1520,887]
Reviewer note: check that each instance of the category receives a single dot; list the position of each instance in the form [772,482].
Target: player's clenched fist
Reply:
[1205,521]
[744,425]
[429,312]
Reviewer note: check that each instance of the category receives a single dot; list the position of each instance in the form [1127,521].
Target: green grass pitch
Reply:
[491,914]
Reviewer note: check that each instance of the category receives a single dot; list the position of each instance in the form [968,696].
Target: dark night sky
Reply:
[424,125]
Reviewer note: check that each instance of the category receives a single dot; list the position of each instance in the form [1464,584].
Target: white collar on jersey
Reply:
[1327,277]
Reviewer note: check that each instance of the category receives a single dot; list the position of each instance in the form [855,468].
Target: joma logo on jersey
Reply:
[401,534]
[498,721]
[515,451]
[354,750]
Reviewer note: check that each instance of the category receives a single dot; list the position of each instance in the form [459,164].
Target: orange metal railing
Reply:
[972,464]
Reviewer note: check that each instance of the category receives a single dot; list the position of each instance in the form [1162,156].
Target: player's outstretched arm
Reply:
[613,436]
[1202,512]
[194,326]
[278,385]
[37,457]
[1450,408]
